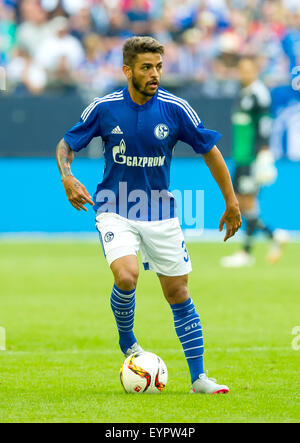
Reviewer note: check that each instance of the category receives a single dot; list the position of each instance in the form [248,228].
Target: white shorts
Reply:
[161,243]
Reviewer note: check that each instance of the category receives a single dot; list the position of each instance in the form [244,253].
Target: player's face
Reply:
[146,73]
[247,71]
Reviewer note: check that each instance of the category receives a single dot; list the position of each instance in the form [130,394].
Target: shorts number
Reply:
[186,258]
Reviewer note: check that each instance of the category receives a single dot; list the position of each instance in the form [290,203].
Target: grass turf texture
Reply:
[62,360]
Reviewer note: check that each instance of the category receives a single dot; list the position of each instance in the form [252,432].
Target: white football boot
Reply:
[280,240]
[133,349]
[238,260]
[205,385]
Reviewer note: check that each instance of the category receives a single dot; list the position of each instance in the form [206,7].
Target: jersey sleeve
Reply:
[86,129]
[193,132]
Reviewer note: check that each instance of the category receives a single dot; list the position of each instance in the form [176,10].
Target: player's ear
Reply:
[127,72]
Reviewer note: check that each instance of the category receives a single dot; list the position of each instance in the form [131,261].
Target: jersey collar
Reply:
[134,105]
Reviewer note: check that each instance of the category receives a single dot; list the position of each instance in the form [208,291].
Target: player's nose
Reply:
[155,74]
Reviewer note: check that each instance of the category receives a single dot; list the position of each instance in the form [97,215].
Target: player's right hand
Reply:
[77,194]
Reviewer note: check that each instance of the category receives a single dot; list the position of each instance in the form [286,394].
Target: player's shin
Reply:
[189,331]
[123,307]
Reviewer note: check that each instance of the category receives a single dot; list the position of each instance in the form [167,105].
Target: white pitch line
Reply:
[191,235]
[165,351]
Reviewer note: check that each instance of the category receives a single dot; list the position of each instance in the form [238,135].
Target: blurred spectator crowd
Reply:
[65,45]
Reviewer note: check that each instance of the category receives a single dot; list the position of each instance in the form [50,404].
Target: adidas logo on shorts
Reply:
[117,130]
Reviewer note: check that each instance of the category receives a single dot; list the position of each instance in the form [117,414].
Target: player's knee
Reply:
[126,279]
[178,294]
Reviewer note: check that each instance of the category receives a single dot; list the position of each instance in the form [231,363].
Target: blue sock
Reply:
[189,331]
[123,306]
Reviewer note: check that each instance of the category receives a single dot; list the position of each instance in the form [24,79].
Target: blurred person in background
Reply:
[160,31]
[254,163]
[137,15]
[222,82]
[34,28]
[172,66]
[87,73]
[8,28]
[207,24]
[291,40]
[237,32]
[113,60]
[100,17]
[119,26]
[223,78]
[80,24]
[94,74]
[265,40]
[60,55]
[198,46]
[179,15]
[62,79]
[191,60]
[25,76]
[221,10]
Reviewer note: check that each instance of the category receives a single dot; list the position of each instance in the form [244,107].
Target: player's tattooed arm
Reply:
[232,215]
[77,194]
[64,157]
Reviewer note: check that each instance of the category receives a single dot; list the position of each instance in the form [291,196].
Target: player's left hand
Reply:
[233,220]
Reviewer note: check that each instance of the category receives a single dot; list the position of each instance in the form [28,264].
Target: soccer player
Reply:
[254,163]
[140,126]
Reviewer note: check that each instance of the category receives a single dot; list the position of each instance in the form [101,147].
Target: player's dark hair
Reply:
[140,45]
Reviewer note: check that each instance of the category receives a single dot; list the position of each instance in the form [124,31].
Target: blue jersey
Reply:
[138,142]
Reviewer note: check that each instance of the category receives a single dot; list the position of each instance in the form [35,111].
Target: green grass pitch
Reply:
[62,360]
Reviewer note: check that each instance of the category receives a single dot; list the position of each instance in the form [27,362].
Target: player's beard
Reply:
[138,86]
